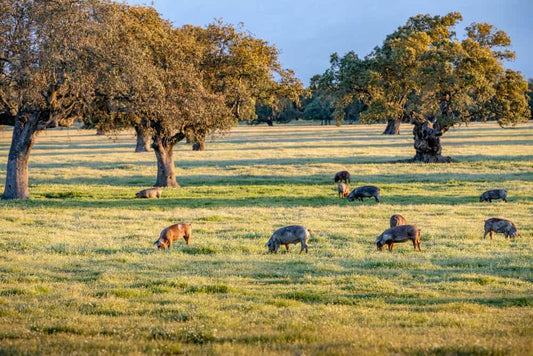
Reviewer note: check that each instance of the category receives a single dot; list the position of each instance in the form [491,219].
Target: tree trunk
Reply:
[198,146]
[427,143]
[17,161]
[393,127]
[143,140]
[199,142]
[166,176]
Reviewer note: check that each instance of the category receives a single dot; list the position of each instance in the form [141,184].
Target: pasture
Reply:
[79,273]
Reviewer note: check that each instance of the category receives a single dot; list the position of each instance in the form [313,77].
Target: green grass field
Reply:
[79,273]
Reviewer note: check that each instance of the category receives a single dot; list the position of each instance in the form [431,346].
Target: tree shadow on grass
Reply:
[229,202]
[276,180]
[343,161]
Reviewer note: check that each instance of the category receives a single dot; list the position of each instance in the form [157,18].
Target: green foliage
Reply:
[422,69]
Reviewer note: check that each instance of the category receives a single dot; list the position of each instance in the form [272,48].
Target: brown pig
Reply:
[149,193]
[507,227]
[343,190]
[397,220]
[172,233]
[399,234]
[342,176]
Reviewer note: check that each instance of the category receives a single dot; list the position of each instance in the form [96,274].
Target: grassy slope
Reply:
[79,273]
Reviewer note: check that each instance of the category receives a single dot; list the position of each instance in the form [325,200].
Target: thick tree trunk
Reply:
[166,176]
[17,161]
[427,143]
[143,140]
[393,127]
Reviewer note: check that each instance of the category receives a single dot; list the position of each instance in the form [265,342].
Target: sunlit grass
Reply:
[79,272]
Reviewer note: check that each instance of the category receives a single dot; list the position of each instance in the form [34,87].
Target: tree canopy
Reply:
[116,66]
[424,74]
[45,73]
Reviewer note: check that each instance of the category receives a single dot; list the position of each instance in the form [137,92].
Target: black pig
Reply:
[507,227]
[494,194]
[399,234]
[366,191]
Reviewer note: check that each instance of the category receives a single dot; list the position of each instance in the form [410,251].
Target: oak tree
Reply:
[45,58]
[424,74]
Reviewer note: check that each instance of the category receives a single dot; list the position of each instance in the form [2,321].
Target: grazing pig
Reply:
[494,194]
[366,191]
[397,220]
[149,193]
[289,235]
[504,226]
[172,233]
[342,176]
[342,189]
[399,234]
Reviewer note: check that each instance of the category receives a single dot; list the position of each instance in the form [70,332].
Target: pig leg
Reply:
[169,244]
[391,246]
[304,247]
[491,234]
[485,235]
[287,247]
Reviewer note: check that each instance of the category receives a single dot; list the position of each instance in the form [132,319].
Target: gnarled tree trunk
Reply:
[393,127]
[143,140]
[166,176]
[24,134]
[427,143]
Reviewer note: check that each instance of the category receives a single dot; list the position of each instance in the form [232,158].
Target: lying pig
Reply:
[366,191]
[342,189]
[399,234]
[172,233]
[342,176]
[494,194]
[507,227]
[289,235]
[397,220]
[149,193]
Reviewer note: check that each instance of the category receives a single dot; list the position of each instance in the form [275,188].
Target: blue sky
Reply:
[308,32]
